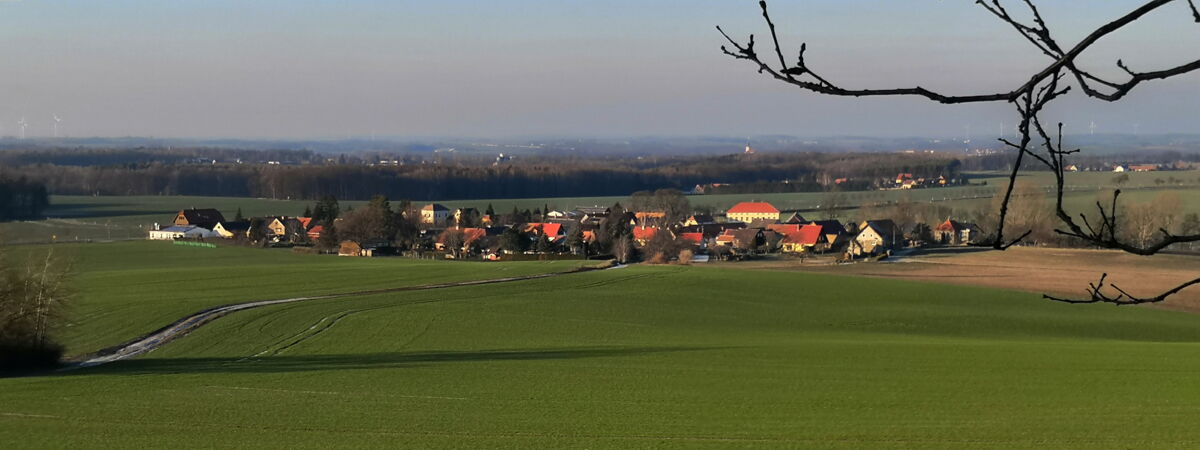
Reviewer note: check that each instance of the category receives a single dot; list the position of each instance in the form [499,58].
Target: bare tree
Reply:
[1036,140]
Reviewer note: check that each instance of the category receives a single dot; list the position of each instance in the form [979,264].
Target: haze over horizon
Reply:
[298,70]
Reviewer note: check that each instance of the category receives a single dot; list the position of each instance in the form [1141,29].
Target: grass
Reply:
[642,357]
[83,218]
[131,288]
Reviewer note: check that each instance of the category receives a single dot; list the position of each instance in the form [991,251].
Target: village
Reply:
[669,233]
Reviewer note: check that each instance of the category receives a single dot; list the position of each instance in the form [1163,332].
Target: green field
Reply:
[132,288]
[81,218]
[642,356]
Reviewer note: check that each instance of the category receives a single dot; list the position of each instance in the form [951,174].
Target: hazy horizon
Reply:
[495,70]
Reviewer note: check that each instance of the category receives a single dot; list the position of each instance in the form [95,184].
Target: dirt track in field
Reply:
[1062,272]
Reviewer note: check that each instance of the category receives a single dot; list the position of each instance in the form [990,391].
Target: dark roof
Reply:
[883,227]
[830,226]
[208,216]
[239,225]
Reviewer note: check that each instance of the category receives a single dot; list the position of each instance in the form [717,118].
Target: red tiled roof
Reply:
[646,233]
[316,231]
[694,238]
[753,207]
[806,235]
[304,221]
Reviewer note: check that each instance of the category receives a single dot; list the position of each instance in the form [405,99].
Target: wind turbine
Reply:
[22,124]
[1092,127]
[56,121]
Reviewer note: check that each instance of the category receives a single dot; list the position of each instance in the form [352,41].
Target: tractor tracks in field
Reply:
[182,327]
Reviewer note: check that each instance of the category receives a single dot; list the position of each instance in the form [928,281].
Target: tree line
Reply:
[21,198]
[472,177]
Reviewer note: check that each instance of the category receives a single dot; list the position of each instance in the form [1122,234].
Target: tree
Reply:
[542,245]
[663,245]
[575,240]
[513,241]
[326,210]
[1036,139]
[1121,179]
[33,300]
[307,211]
[238,217]
[328,240]
[490,211]
[622,249]
[453,240]
[258,232]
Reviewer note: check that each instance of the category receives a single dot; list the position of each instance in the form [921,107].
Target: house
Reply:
[802,239]
[953,232]
[642,235]
[314,233]
[1072,168]
[367,248]
[232,229]
[180,232]
[1143,167]
[284,229]
[750,211]
[745,238]
[552,230]
[875,236]
[1118,168]
[835,233]
[696,240]
[698,219]
[593,214]
[434,214]
[794,218]
[901,178]
[204,218]
[470,238]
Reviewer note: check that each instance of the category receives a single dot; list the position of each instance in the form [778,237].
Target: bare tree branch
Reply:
[1097,295]
[1030,99]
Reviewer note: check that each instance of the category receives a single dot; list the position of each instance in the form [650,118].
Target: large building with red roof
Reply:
[750,211]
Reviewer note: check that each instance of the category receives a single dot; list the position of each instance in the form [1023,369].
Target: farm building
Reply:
[181,232]
[748,212]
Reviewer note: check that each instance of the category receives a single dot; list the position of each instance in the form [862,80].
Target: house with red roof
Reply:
[750,211]
[696,240]
[552,230]
[314,233]
[805,238]
[642,235]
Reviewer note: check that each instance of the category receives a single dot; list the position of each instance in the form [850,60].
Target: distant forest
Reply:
[304,175]
[309,175]
[21,198]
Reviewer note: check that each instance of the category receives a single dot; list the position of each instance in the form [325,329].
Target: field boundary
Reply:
[182,327]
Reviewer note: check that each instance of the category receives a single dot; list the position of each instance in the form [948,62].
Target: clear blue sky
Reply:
[300,69]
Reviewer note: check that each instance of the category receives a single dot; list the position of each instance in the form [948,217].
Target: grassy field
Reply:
[642,356]
[78,218]
[132,288]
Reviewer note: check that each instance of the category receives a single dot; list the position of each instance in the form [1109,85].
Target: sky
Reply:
[580,68]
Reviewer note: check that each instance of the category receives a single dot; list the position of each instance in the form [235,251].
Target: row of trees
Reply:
[21,198]
[537,177]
